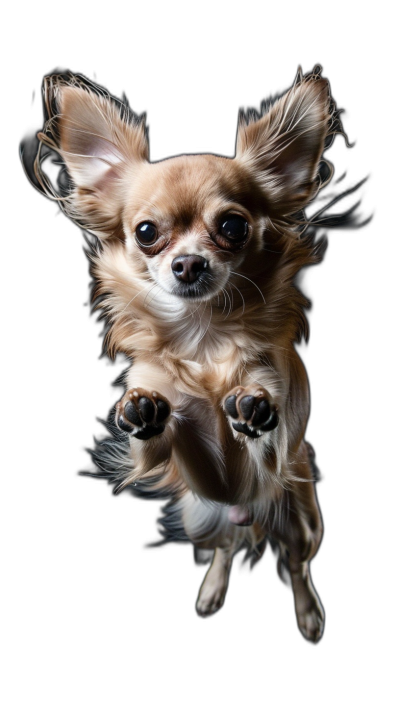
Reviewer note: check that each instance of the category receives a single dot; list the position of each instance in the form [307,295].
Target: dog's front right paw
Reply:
[143,414]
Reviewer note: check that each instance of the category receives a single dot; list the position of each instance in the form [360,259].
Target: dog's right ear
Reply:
[100,141]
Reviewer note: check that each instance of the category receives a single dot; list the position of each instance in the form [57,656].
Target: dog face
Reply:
[190,222]
[192,238]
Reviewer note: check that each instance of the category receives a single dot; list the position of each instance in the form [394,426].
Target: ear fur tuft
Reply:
[98,138]
[283,144]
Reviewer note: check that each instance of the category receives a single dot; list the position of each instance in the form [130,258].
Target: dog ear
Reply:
[100,141]
[282,147]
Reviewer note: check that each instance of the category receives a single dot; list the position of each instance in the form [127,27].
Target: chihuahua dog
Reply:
[194,262]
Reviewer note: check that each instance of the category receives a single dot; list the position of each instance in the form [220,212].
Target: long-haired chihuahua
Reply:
[194,262]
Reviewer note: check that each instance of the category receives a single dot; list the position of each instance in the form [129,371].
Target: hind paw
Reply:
[211,598]
[311,622]
[143,414]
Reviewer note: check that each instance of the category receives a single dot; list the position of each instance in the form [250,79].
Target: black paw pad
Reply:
[131,414]
[163,410]
[243,428]
[271,423]
[251,411]
[124,424]
[262,413]
[230,406]
[247,406]
[148,431]
[146,409]
[146,412]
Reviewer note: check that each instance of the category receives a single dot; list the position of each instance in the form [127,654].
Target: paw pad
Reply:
[142,414]
[252,411]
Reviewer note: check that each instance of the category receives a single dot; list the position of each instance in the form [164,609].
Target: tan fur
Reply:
[239,335]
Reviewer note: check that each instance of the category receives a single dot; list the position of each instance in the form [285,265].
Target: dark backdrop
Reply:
[93,579]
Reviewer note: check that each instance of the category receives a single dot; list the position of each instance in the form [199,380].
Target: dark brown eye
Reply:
[234,228]
[146,233]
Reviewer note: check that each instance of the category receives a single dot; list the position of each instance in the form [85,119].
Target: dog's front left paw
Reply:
[251,411]
[143,414]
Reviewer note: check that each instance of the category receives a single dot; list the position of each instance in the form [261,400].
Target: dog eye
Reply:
[146,233]
[234,228]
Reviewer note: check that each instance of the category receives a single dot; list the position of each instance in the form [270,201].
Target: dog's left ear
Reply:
[282,148]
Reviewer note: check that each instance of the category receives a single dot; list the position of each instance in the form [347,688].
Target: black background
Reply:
[94,587]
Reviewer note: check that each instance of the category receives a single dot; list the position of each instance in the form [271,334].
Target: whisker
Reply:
[209,323]
[231,301]
[250,281]
[241,295]
[196,310]
[154,296]
[230,304]
[224,294]
[135,296]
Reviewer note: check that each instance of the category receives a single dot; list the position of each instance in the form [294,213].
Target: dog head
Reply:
[191,221]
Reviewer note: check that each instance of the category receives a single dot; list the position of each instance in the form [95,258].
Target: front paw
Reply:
[143,414]
[251,411]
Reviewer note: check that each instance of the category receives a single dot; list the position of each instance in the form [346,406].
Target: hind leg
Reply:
[214,537]
[300,534]
[215,584]
[309,611]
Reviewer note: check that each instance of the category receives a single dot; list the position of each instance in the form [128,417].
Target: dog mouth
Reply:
[199,289]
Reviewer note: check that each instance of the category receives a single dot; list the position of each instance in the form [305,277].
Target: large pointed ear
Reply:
[100,141]
[282,146]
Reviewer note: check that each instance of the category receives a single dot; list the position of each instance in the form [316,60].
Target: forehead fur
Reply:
[199,183]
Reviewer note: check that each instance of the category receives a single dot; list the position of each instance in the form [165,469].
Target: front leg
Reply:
[252,414]
[251,411]
[171,428]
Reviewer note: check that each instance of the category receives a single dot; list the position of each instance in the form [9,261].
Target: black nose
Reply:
[188,267]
